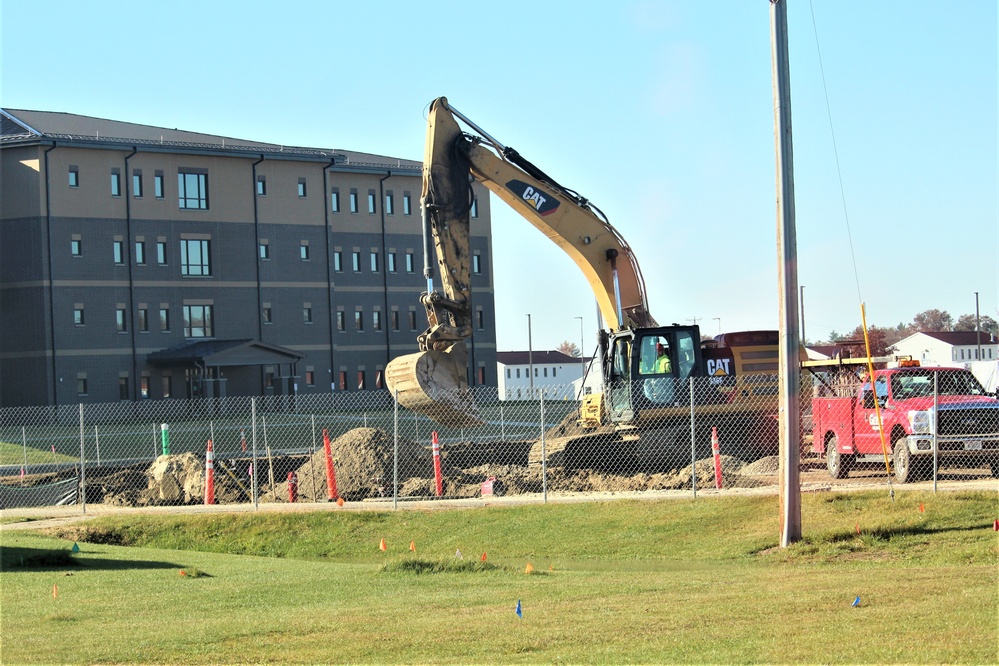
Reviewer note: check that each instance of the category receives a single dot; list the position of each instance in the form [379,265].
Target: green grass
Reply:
[13,453]
[621,582]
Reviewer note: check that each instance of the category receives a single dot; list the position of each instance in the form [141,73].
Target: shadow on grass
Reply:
[887,534]
[14,559]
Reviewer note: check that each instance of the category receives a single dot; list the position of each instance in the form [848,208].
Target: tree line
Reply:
[928,321]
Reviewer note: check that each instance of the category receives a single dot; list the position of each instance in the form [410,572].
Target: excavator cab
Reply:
[649,368]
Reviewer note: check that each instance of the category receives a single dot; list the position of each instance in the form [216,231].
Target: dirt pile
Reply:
[363,459]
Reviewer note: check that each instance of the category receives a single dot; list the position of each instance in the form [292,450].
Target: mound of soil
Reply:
[363,460]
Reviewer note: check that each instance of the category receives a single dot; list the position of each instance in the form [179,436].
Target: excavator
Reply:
[646,399]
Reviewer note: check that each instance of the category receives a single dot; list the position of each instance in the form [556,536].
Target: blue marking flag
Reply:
[520,613]
[76,548]
[856,602]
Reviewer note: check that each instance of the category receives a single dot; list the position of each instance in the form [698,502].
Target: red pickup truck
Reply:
[960,417]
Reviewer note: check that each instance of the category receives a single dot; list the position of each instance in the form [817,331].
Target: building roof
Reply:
[960,338]
[537,357]
[20,126]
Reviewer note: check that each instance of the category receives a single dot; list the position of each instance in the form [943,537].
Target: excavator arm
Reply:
[433,381]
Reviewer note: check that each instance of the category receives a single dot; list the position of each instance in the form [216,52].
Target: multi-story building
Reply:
[556,375]
[143,262]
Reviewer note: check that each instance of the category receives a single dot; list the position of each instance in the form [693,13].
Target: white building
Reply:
[948,348]
[555,373]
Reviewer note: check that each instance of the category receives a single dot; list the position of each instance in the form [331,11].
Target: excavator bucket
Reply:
[433,383]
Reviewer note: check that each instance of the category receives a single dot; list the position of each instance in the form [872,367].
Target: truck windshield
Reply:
[920,384]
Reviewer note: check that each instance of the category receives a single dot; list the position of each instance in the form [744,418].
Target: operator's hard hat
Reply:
[659,348]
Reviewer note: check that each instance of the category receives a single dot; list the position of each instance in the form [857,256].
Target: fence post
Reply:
[312,456]
[693,441]
[544,457]
[395,453]
[502,424]
[83,465]
[936,422]
[253,460]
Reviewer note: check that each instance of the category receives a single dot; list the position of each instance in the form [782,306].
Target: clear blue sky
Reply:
[661,113]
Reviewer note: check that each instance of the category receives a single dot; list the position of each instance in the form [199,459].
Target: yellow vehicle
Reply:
[646,366]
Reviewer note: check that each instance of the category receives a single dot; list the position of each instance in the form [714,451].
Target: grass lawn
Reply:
[612,582]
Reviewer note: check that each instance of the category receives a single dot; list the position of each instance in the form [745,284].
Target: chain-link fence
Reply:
[651,435]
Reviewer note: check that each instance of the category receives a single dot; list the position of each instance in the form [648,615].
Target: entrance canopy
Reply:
[217,353]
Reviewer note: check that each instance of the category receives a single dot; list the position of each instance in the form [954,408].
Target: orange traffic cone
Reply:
[412,546]
[529,568]
[995,526]
[381,546]
[339,501]
[483,558]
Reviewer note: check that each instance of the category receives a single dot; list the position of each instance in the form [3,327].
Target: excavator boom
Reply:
[434,380]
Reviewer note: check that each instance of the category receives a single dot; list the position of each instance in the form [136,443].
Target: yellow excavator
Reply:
[646,366]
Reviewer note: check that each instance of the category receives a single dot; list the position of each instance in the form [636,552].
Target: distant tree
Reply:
[568,348]
[834,337]
[881,339]
[933,320]
[967,323]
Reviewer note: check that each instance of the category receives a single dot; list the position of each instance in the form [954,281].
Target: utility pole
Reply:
[787,261]
[978,330]
[530,356]
[801,304]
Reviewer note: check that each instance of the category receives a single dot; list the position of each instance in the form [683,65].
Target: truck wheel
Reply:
[837,464]
[902,459]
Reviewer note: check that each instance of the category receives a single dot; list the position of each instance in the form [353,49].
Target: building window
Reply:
[553,371]
[376,320]
[310,377]
[265,314]
[391,262]
[407,204]
[307,314]
[301,188]
[165,320]
[482,376]
[395,320]
[360,380]
[342,380]
[81,385]
[389,207]
[475,208]
[161,257]
[144,386]
[193,189]
[378,379]
[261,186]
[198,321]
[353,201]
[158,184]
[359,321]
[341,321]
[335,200]
[137,184]
[508,373]
[115,183]
[374,262]
[143,320]
[78,315]
[166,386]
[119,252]
[121,319]
[74,176]
[356,256]
[479,320]
[338,261]
[371,202]
[410,264]
[76,247]
[123,388]
[412,320]
[545,371]
[477,264]
[303,250]
[140,252]
[195,258]
[518,373]
[265,251]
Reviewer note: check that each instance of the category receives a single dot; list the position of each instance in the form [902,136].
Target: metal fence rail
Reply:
[687,435]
